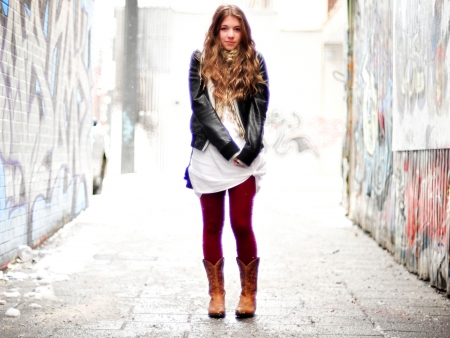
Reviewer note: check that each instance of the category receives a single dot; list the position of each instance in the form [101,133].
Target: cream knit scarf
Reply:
[230,57]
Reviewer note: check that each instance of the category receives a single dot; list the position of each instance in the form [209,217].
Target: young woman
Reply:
[229,98]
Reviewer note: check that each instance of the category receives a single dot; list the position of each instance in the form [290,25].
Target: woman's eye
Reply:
[224,28]
[237,29]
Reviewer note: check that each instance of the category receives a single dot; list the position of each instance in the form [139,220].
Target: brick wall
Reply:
[45,116]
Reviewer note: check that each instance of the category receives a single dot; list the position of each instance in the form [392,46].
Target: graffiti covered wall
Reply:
[421,68]
[45,99]
[400,197]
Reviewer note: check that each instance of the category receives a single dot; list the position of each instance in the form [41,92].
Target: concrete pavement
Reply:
[131,266]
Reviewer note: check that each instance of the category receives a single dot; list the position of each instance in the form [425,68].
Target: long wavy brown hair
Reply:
[232,80]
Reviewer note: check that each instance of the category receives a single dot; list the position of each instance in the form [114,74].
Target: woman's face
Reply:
[230,32]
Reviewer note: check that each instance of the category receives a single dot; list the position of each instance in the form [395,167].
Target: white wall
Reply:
[334,108]
[301,15]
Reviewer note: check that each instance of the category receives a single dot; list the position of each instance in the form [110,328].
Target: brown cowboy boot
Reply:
[216,290]
[249,277]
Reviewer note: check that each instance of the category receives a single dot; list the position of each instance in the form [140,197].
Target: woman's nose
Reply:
[230,34]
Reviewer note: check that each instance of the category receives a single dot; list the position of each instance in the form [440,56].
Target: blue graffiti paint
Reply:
[34,199]
[11,217]
[46,19]
[39,92]
[27,8]
[55,61]
[2,192]
[47,211]
[127,127]
[5,6]
[38,87]
[43,107]
[66,123]
[81,198]
[74,12]
[87,49]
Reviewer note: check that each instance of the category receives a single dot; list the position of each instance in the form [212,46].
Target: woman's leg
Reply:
[213,218]
[241,207]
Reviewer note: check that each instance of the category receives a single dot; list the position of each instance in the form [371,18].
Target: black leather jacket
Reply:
[206,125]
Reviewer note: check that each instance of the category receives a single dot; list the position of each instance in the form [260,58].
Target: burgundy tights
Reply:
[241,205]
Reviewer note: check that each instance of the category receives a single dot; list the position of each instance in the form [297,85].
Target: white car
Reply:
[100,148]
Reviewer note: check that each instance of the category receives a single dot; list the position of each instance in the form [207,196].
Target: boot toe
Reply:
[216,314]
[244,314]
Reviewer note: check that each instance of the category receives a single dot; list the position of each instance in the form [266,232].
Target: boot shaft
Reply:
[215,276]
[249,277]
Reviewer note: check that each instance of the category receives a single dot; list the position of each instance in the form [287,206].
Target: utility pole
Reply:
[129,85]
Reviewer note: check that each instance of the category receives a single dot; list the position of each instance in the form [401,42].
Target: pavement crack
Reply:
[124,325]
[355,301]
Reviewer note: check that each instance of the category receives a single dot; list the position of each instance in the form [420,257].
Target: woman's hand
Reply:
[236,163]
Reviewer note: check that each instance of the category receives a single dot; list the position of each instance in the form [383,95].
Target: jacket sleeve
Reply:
[257,118]
[205,114]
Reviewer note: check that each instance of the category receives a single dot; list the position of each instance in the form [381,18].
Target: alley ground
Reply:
[131,266]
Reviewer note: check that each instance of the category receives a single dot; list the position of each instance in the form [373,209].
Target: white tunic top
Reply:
[210,172]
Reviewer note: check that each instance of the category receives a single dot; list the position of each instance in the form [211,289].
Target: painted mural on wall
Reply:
[45,95]
[422,187]
[421,68]
[371,123]
[287,133]
[400,197]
